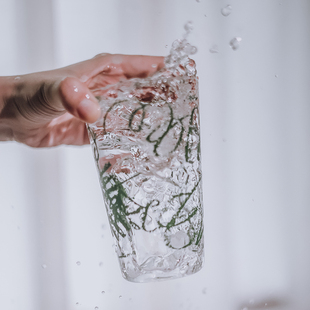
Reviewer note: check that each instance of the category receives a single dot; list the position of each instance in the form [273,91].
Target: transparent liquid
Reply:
[147,151]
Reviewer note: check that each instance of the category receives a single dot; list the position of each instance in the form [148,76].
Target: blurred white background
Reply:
[56,247]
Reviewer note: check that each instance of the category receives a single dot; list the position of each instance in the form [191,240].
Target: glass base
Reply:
[133,272]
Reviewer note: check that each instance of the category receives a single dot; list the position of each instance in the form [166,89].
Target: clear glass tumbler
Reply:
[147,150]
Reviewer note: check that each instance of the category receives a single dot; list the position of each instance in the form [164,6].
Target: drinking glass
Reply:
[146,147]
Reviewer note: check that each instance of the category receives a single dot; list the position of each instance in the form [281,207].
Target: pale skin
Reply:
[51,108]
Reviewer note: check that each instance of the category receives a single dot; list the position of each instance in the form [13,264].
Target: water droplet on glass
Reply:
[44,266]
[214,49]
[75,89]
[226,10]
[235,43]
[78,263]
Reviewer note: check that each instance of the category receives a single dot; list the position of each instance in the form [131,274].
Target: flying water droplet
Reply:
[214,49]
[78,263]
[276,76]
[120,296]
[235,43]
[166,46]
[96,308]
[226,10]
[188,27]
[44,266]
[103,292]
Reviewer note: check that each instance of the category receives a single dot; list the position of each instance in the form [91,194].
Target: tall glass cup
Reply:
[147,150]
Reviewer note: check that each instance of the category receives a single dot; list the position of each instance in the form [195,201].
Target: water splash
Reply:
[235,43]
[226,10]
[214,49]
[178,61]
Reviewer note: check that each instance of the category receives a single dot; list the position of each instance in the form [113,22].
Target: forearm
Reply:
[7,85]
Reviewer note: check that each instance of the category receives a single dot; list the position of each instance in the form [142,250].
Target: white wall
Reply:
[255,134]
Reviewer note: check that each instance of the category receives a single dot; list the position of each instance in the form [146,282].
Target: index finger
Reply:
[140,66]
[128,66]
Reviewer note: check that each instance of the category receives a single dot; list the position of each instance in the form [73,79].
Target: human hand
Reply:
[50,108]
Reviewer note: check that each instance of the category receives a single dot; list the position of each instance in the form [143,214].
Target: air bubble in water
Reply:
[235,43]
[226,10]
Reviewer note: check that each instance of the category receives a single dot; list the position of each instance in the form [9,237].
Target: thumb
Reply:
[78,100]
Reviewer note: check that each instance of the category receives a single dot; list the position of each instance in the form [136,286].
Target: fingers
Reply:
[141,66]
[78,100]
[128,66]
